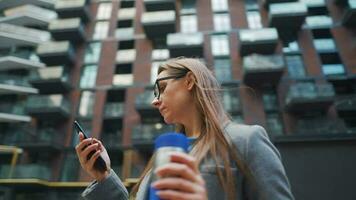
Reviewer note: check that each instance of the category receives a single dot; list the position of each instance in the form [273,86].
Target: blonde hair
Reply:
[212,140]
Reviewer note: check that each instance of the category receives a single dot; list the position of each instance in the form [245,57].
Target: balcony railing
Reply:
[286,16]
[346,106]
[269,2]
[56,53]
[26,171]
[145,134]
[10,84]
[13,113]
[14,63]
[48,106]
[306,97]
[349,18]
[12,35]
[159,23]
[114,110]
[185,44]
[111,140]
[143,104]
[28,15]
[67,29]
[73,8]
[263,69]
[261,41]
[51,80]
[13,3]
[320,125]
[42,139]
[156,5]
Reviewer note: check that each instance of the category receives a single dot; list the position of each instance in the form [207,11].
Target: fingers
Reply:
[177,195]
[176,183]
[176,169]
[93,158]
[183,158]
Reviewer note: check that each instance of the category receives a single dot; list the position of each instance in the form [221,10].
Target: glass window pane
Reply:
[274,125]
[88,78]
[219,5]
[220,45]
[188,7]
[221,22]
[222,70]
[101,30]
[104,11]
[86,106]
[254,20]
[92,53]
[188,24]
[295,66]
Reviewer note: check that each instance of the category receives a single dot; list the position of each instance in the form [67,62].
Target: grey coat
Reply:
[256,151]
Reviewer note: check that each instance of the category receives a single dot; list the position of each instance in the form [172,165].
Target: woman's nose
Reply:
[155,102]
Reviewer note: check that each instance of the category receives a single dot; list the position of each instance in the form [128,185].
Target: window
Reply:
[221,22]
[188,24]
[104,11]
[101,30]
[231,100]
[295,66]
[251,5]
[86,106]
[220,45]
[92,52]
[154,70]
[219,5]
[254,19]
[160,54]
[324,44]
[333,69]
[88,78]
[274,124]
[222,69]
[188,7]
[270,101]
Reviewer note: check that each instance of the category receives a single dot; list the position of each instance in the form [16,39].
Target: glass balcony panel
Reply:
[51,80]
[48,106]
[262,41]
[111,140]
[126,56]
[29,171]
[115,109]
[123,79]
[319,21]
[14,80]
[56,53]
[286,16]
[320,125]
[67,29]
[4,4]
[13,63]
[156,5]
[146,133]
[67,4]
[124,33]
[159,23]
[72,8]
[185,44]
[70,170]
[287,8]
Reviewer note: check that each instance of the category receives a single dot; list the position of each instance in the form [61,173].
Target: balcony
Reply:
[320,126]
[346,106]
[114,110]
[261,41]
[8,63]
[72,9]
[185,44]
[343,84]
[327,50]
[26,171]
[48,107]
[41,140]
[67,29]
[13,35]
[231,100]
[349,18]
[13,113]
[28,15]
[13,3]
[143,135]
[156,5]
[316,7]
[56,53]
[308,97]
[263,69]
[143,105]
[51,80]
[158,24]
[287,16]
[10,84]
[320,25]
[267,3]
[112,142]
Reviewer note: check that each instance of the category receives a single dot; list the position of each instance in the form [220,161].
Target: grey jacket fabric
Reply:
[256,151]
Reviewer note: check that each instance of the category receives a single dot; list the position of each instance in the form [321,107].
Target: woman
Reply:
[226,161]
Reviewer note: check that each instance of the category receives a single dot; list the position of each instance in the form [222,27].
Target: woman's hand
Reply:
[86,146]
[182,179]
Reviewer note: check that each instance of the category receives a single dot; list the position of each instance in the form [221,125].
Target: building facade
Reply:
[289,66]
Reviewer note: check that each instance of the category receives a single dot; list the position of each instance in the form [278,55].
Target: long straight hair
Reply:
[212,140]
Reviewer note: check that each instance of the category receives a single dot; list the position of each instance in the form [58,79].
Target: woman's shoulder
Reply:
[245,136]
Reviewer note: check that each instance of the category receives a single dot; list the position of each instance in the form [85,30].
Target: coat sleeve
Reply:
[264,162]
[110,189]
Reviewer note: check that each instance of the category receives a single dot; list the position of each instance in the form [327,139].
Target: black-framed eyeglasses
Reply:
[158,90]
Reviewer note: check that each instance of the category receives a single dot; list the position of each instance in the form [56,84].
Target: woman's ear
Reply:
[190,80]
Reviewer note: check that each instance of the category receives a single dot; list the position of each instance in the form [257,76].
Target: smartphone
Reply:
[99,164]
